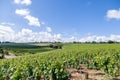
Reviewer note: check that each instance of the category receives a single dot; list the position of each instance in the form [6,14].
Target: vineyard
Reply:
[20,49]
[54,65]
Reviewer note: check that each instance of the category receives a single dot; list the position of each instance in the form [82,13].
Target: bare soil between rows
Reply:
[89,74]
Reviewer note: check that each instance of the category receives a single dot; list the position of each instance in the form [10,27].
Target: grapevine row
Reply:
[53,65]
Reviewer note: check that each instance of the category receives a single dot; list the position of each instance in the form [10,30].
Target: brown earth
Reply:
[89,74]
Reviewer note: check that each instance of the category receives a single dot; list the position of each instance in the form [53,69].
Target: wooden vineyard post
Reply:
[86,75]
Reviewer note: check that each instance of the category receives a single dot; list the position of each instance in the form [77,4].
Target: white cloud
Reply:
[6,33]
[17,1]
[57,37]
[113,14]
[33,21]
[43,23]
[6,29]
[22,12]
[7,23]
[48,29]
[25,13]
[73,38]
[93,38]
[26,2]
[100,38]
[26,35]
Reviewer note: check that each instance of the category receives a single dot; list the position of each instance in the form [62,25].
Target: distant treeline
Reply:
[101,42]
[28,42]
[109,42]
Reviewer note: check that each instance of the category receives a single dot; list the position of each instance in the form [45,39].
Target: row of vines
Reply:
[53,65]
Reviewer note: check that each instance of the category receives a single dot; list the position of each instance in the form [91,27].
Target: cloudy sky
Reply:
[59,20]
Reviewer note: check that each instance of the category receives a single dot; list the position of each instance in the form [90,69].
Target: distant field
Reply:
[25,48]
[55,65]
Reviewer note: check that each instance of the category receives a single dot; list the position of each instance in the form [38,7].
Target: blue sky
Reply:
[66,20]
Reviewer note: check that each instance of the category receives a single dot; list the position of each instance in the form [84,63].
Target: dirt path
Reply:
[89,74]
[10,55]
